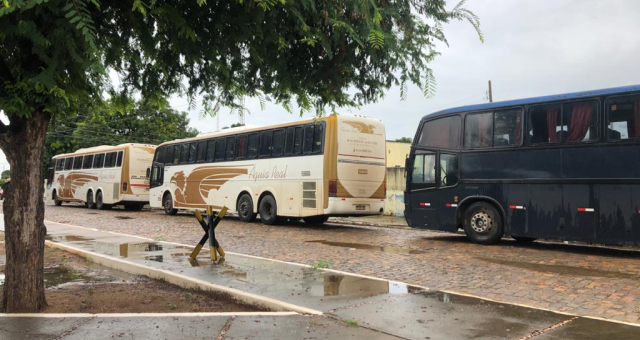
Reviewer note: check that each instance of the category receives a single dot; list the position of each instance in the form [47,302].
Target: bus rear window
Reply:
[119,160]
[623,118]
[317,138]
[441,133]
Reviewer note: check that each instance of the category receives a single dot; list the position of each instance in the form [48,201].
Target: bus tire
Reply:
[523,239]
[167,204]
[90,204]
[320,219]
[268,210]
[483,223]
[245,208]
[56,201]
[100,203]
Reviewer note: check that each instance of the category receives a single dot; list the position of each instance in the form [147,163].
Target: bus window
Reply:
[210,150]
[176,154]
[265,143]
[448,170]
[192,152]
[478,130]
[441,133]
[231,145]
[623,117]
[254,141]
[59,164]
[288,143]
[110,160]
[308,139]
[507,130]
[424,170]
[221,146]
[98,161]
[317,138]
[241,147]
[202,151]
[184,153]
[159,155]
[119,159]
[68,163]
[77,163]
[545,124]
[87,162]
[579,120]
[278,143]
[297,144]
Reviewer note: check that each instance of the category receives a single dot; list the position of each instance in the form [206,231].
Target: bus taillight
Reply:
[333,188]
[124,186]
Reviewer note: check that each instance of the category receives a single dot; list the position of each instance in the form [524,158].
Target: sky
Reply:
[531,48]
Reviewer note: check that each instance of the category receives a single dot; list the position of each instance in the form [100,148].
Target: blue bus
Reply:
[562,167]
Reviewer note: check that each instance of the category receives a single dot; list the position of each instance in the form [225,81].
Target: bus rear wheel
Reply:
[56,201]
[90,203]
[245,208]
[167,203]
[483,224]
[315,219]
[100,203]
[268,210]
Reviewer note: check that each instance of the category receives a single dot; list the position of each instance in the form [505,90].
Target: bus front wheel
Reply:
[268,210]
[483,223]
[56,201]
[167,204]
[245,209]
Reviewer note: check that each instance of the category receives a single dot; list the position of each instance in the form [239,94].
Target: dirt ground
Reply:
[75,285]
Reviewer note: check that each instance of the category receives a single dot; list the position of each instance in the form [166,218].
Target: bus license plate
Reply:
[361,207]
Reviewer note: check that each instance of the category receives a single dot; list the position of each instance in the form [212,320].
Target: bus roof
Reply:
[102,148]
[535,100]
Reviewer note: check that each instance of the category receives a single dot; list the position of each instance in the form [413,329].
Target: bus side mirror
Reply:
[407,166]
[148,173]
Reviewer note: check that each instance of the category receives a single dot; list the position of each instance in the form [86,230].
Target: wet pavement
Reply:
[386,308]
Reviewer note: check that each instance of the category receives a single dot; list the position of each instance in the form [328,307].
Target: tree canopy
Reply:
[404,140]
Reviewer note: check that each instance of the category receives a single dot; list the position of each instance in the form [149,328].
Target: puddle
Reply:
[369,247]
[70,238]
[561,269]
[124,217]
[60,275]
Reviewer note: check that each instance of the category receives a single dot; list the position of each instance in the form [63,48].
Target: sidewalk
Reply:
[353,306]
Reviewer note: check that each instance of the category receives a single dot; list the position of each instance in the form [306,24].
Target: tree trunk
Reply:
[23,144]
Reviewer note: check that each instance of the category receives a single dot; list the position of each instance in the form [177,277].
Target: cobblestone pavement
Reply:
[568,278]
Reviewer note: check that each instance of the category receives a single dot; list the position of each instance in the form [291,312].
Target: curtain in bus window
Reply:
[581,116]
[552,122]
[441,133]
[242,147]
[517,130]
[478,130]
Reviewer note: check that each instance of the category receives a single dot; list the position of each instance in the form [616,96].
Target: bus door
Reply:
[421,185]
[447,192]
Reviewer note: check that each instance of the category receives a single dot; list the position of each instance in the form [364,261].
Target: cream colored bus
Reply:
[103,176]
[313,169]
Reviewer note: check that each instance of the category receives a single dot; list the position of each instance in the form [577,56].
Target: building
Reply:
[396,154]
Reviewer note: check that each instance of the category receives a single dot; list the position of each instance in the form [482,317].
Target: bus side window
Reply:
[231,145]
[254,141]
[623,117]
[184,153]
[289,140]
[241,147]
[297,144]
[110,160]
[317,138]
[119,160]
[60,164]
[211,149]
[98,161]
[192,152]
[77,163]
[478,130]
[308,139]
[87,162]
[278,143]
[448,170]
[424,170]
[545,124]
[221,146]
[176,154]
[68,163]
[265,143]
[202,151]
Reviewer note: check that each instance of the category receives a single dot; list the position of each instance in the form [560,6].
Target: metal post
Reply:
[490,93]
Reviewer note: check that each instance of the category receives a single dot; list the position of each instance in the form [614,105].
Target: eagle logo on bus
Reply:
[73,181]
[361,127]
[194,189]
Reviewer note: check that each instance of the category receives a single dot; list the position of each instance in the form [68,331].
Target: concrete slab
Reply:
[298,328]
[168,328]
[590,329]
[445,316]
[36,328]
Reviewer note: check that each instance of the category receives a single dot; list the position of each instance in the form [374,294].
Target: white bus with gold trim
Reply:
[313,169]
[103,176]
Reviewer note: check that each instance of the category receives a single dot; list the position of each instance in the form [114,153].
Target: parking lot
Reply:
[582,280]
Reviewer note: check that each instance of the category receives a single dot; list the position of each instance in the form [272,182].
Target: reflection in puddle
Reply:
[59,275]
[369,247]
[561,269]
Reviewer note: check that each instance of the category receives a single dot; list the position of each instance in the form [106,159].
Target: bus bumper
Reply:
[354,206]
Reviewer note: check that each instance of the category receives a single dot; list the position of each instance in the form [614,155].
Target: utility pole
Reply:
[490,93]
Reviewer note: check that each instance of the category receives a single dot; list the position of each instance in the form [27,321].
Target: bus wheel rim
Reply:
[481,222]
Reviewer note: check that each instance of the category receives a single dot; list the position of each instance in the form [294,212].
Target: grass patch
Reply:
[321,264]
[159,239]
[351,323]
